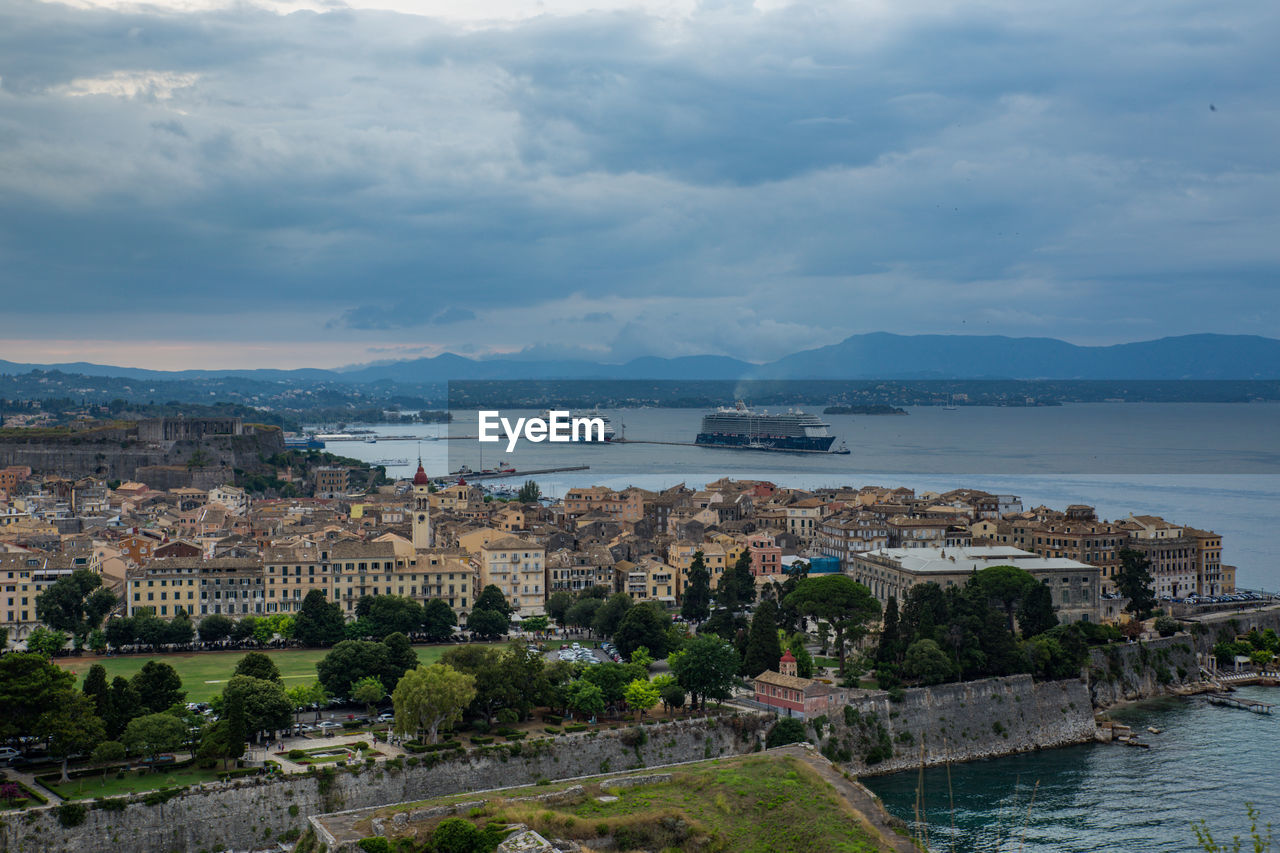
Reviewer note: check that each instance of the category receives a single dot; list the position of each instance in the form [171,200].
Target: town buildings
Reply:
[216,550]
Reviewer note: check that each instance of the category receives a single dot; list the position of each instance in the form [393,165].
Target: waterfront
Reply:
[1207,763]
[1214,466]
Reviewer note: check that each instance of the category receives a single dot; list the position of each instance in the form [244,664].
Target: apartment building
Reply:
[518,568]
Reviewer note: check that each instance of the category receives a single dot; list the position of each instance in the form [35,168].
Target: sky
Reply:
[199,183]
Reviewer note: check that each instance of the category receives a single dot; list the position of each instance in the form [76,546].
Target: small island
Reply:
[865,409]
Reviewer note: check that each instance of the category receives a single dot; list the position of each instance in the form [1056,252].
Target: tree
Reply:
[258,665]
[889,650]
[45,642]
[583,613]
[220,742]
[610,614]
[706,667]
[737,586]
[487,624]
[846,605]
[613,678]
[1035,612]
[29,684]
[123,704]
[75,604]
[641,695]
[152,734]
[244,629]
[804,660]
[585,698]
[429,697]
[785,731]
[119,632]
[926,661]
[96,688]
[438,621]
[69,726]
[529,492]
[370,691]
[764,649]
[149,629]
[673,696]
[1006,585]
[216,627]
[179,631]
[535,623]
[305,696]
[491,598]
[400,659]
[642,625]
[696,604]
[558,604]
[1134,580]
[254,705]
[97,641]
[350,661]
[108,752]
[158,685]
[319,621]
[392,614]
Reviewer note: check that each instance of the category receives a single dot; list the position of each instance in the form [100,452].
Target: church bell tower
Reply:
[421,510]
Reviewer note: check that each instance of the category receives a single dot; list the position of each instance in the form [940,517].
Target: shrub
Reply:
[575,727]
[634,737]
[551,730]
[455,835]
[516,735]
[71,814]
[787,730]
[480,740]
[374,844]
[296,754]
[112,804]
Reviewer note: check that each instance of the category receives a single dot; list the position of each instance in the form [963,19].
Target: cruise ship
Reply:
[790,431]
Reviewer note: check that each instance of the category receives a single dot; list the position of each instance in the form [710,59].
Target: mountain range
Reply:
[878,355]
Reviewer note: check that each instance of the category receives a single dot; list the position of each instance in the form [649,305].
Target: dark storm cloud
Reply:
[797,175]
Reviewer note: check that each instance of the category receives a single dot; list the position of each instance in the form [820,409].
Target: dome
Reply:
[420,478]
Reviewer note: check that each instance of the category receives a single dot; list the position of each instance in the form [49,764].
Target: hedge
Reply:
[480,740]
[516,735]
[576,727]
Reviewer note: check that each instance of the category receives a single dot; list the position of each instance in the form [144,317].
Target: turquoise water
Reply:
[1207,763]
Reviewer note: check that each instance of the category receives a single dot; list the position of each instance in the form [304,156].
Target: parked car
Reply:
[328,724]
[8,754]
[386,717]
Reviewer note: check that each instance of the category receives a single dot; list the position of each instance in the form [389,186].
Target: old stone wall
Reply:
[117,455]
[958,722]
[1167,665]
[253,814]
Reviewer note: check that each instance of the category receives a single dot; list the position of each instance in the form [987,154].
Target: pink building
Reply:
[766,557]
[793,696]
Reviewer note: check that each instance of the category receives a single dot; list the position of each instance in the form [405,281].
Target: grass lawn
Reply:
[753,804]
[134,781]
[204,673]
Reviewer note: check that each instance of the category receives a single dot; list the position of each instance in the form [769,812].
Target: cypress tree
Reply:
[763,647]
[890,648]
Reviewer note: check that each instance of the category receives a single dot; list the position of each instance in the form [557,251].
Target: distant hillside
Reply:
[878,355]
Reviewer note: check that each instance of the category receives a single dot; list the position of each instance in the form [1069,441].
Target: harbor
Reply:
[498,475]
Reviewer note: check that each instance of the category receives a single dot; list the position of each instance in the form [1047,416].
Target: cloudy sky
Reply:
[198,183]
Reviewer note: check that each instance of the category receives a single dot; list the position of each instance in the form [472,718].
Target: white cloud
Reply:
[157,85]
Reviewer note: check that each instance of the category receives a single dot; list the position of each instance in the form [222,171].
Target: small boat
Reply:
[1153,730]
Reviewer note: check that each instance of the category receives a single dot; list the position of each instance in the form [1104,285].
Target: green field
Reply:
[752,804]
[204,673]
[134,781]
